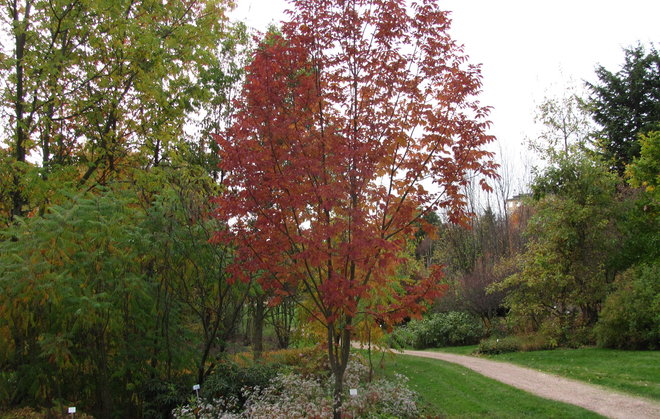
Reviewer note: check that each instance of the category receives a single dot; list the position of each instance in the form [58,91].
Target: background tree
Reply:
[644,171]
[471,256]
[104,203]
[283,319]
[191,272]
[564,271]
[77,306]
[356,121]
[626,104]
[629,318]
[90,82]
[108,299]
[221,84]
[565,123]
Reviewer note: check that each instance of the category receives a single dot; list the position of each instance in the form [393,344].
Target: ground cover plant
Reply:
[291,394]
[451,391]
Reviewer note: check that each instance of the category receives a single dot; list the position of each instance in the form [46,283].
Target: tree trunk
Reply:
[282,318]
[20,134]
[339,348]
[371,365]
[258,328]
[103,398]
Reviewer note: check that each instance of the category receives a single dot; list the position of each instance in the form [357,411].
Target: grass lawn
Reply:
[452,391]
[458,350]
[633,372]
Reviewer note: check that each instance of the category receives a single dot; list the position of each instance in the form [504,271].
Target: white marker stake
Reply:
[353,392]
[196,388]
[72,411]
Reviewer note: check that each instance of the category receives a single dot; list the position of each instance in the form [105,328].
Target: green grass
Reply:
[451,391]
[633,372]
[458,350]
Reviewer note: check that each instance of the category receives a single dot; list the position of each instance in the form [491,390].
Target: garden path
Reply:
[607,403]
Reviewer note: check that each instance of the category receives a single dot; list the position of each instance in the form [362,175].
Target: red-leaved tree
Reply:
[356,120]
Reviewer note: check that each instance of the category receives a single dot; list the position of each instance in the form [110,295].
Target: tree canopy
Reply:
[90,82]
[626,104]
[356,120]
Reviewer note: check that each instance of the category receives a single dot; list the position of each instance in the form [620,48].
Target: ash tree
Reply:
[355,121]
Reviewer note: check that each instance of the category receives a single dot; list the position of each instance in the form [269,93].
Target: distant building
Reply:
[512,204]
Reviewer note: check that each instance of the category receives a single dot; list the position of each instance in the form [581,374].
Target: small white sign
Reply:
[72,409]
[196,387]
[353,392]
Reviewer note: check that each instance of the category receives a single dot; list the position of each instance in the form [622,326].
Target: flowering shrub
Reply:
[295,396]
[382,398]
[218,408]
[289,396]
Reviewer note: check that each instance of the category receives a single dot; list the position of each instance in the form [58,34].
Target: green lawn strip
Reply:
[633,372]
[458,350]
[452,391]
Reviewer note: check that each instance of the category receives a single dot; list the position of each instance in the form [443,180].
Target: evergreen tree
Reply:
[626,104]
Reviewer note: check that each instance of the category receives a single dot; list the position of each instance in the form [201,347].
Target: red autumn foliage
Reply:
[355,121]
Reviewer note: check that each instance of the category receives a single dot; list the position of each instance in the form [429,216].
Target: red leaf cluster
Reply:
[355,121]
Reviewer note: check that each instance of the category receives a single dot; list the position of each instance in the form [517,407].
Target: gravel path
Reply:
[606,403]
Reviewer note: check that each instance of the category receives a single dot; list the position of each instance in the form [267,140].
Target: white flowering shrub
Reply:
[294,396]
[218,408]
[356,373]
[382,399]
[289,396]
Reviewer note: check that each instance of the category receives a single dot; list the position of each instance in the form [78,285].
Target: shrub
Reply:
[630,318]
[532,342]
[567,331]
[538,342]
[402,336]
[160,397]
[289,396]
[30,413]
[22,413]
[438,330]
[494,346]
[382,399]
[229,380]
[295,396]
[306,361]
[8,381]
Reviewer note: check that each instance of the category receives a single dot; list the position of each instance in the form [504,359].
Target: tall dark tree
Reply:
[626,104]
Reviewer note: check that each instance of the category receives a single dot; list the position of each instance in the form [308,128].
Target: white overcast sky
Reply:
[529,49]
